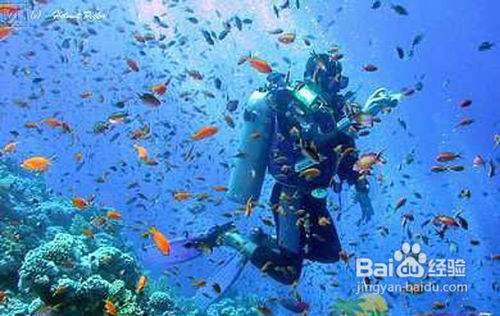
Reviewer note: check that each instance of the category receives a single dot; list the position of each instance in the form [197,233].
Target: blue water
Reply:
[447,62]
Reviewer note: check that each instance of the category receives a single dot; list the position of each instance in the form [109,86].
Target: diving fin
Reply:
[189,248]
[220,282]
[181,251]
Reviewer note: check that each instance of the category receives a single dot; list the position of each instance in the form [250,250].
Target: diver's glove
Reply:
[381,99]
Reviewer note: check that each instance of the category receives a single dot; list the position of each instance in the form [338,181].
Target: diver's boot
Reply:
[212,238]
[235,240]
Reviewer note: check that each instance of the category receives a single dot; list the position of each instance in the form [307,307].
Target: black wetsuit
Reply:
[296,212]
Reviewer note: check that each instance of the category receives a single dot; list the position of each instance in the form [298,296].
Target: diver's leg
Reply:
[280,259]
[323,244]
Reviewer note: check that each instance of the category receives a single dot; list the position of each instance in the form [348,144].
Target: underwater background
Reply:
[77,90]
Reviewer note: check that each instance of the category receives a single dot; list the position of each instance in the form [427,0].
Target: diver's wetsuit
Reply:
[297,213]
[300,132]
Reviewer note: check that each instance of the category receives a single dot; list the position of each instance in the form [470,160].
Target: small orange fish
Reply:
[80,203]
[110,308]
[87,232]
[365,163]
[182,196]
[199,283]
[160,240]
[142,152]
[260,65]
[220,188]
[53,122]
[78,157]
[344,256]
[36,163]
[447,156]
[31,125]
[9,148]
[161,88]
[5,31]
[324,221]
[249,206]
[113,215]
[287,38]
[310,173]
[3,296]
[205,132]
[141,284]
[9,9]
[445,220]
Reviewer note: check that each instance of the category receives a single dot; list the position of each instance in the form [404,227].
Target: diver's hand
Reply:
[381,99]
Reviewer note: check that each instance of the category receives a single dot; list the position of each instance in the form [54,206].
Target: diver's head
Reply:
[326,72]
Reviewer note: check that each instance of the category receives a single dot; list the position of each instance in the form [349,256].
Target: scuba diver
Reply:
[302,134]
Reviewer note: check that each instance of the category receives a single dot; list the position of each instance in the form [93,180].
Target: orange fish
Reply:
[160,240]
[199,283]
[8,148]
[287,38]
[447,156]
[161,88]
[5,31]
[78,157]
[3,296]
[80,203]
[344,256]
[260,65]
[53,122]
[182,196]
[249,206]
[142,152]
[36,163]
[31,125]
[220,188]
[310,173]
[9,9]
[141,284]
[87,232]
[113,215]
[205,132]
[110,308]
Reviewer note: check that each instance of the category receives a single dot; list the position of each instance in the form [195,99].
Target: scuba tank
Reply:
[250,161]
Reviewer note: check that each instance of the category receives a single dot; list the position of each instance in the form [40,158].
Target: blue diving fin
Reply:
[181,251]
[189,248]
[218,283]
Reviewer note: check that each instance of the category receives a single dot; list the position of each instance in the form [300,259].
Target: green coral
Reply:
[113,264]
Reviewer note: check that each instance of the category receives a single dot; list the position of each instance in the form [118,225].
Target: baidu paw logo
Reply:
[411,261]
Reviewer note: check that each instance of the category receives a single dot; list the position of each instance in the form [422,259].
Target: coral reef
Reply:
[49,266]
[55,261]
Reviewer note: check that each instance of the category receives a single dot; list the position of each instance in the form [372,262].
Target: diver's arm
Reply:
[378,100]
[346,172]
[362,189]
